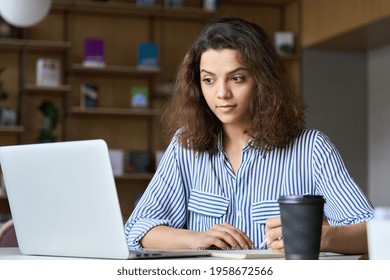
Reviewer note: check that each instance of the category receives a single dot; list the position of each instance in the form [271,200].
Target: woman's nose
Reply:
[223,91]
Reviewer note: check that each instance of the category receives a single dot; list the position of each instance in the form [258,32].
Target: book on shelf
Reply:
[138,162]
[147,56]
[146,2]
[173,3]
[8,116]
[117,161]
[139,97]
[210,5]
[94,52]
[89,95]
[284,42]
[48,72]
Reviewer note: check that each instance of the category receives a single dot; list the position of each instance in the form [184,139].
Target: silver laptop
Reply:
[64,202]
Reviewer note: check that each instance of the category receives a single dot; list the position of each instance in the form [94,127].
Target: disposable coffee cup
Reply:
[301,217]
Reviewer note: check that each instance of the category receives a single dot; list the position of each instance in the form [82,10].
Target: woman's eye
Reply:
[238,78]
[208,80]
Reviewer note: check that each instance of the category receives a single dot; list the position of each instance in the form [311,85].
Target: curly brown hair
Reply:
[276,109]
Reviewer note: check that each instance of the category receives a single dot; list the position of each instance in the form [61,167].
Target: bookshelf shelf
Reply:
[79,69]
[135,176]
[11,44]
[258,2]
[115,112]
[61,89]
[20,44]
[11,129]
[131,9]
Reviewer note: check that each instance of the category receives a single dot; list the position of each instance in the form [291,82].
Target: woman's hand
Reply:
[224,236]
[350,239]
[273,230]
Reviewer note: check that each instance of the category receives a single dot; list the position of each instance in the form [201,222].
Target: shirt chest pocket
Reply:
[263,210]
[208,204]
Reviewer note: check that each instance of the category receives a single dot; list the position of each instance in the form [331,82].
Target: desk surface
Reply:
[14,254]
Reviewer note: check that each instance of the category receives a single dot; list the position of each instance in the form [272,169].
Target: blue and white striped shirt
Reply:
[195,191]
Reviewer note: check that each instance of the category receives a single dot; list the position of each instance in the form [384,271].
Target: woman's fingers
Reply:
[273,231]
[228,236]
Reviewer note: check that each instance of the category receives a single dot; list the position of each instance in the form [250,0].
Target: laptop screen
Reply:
[63,199]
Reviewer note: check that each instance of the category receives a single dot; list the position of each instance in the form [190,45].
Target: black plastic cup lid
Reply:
[301,199]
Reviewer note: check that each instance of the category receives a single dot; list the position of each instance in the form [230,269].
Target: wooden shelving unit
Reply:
[122,25]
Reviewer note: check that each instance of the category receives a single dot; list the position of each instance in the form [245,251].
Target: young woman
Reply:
[238,142]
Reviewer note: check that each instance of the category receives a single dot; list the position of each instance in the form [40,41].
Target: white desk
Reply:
[14,254]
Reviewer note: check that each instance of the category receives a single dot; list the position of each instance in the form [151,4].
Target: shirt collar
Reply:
[221,148]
